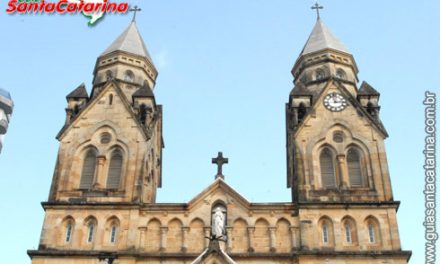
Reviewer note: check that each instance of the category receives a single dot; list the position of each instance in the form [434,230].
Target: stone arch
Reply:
[326,232]
[66,231]
[327,169]
[196,236]
[349,231]
[152,241]
[91,230]
[261,241]
[372,228]
[112,231]
[174,236]
[240,241]
[283,236]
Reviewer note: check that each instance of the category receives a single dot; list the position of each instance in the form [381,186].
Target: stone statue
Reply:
[218,223]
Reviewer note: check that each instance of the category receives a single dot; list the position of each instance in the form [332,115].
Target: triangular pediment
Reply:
[220,190]
[97,107]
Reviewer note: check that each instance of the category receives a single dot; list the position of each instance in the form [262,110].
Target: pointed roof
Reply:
[145,91]
[129,41]
[79,92]
[300,90]
[322,38]
[367,89]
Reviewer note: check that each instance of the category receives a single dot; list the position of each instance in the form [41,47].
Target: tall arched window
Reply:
[115,170]
[348,236]
[129,76]
[69,231]
[88,170]
[373,230]
[371,233]
[113,233]
[91,229]
[354,167]
[325,238]
[328,175]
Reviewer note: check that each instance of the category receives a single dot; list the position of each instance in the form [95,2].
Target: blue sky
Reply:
[224,78]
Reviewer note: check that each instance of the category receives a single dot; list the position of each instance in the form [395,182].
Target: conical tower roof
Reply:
[322,38]
[129,41]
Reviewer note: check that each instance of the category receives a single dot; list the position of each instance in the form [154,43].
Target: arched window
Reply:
[88,170]
[354,167]
[340,74]
[69,231]
[110,99]
[348,237]
[108,75]
[373,230]
[91,229]
[320,74]
[115,170]
[129,76]
[328,176]
[113,233]
[325,238]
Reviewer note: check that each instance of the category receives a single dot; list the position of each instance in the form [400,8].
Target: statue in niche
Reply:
[218,222]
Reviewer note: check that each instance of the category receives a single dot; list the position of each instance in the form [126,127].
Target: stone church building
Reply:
[102,204]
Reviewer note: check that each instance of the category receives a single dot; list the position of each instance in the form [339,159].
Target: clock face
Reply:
[335,102]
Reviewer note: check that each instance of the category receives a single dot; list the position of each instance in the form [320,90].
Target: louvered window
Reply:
[354,168]
[327,169]
[88,171]
[115,170]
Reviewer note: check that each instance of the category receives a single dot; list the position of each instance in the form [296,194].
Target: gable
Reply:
[354,116]
[110,106]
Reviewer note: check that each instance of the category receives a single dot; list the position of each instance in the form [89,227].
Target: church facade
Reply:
[102,204]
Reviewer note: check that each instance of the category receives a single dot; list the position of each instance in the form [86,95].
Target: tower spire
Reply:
[317,7]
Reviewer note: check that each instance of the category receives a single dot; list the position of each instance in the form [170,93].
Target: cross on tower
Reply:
[317,7]
[219,161]
[135,9]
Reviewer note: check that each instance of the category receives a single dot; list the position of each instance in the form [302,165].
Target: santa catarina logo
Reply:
[94,10]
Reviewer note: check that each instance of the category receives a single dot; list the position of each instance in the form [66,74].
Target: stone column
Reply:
[100,177]
[229,236]
[207,234]
[185,230]
[343,172]
[294,232]
[251,238]
[163,238]
[142,232]
[273,240]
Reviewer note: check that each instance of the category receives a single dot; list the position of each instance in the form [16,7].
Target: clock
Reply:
[335,102]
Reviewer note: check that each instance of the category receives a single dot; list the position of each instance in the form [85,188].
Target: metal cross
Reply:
[135,9]
[317,7]
[219,161]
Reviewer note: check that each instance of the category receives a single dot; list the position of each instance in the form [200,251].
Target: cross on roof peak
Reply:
[220,160]
[317,7]
[135,9]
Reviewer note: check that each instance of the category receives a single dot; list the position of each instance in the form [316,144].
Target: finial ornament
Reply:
[135,9]
[317,7]
[220,160]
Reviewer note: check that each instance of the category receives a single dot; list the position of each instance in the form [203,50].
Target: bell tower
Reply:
[336,160]
[111,143]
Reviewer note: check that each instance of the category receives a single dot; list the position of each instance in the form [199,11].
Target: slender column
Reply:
[251,238]
[163,238]
[100,177]
[273,240]
[207,235]
[343,177]
[229,236]
[294,232]
[185,230]
[142,232]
